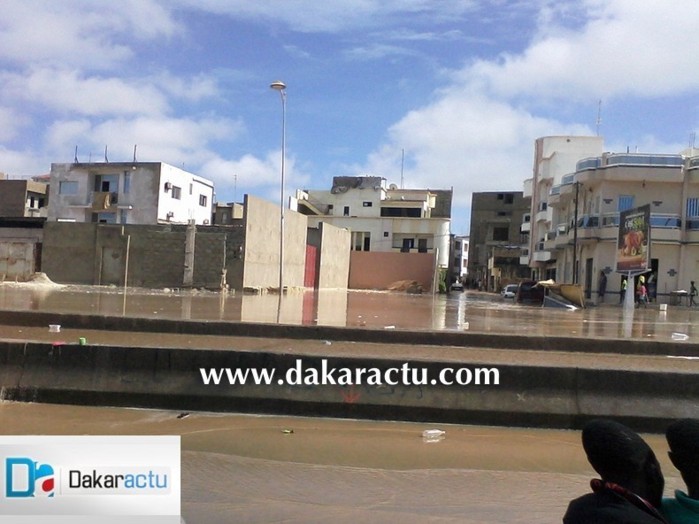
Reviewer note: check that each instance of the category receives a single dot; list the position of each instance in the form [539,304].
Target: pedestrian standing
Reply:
[692,293]
[622,291]
[642,295]
[602,287]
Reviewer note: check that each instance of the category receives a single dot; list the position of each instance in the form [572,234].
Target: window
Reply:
[68,188]
[693,207]
[411,212]
[367,204]
[104,218]
[500,234]
[191,188]
[361,241]
[106,183]
[177,192]
[422,245]
[509,198]
[408,244]
[122,216]
[127,182]
[625,202]
[345,212]
[202,200]
[385,234]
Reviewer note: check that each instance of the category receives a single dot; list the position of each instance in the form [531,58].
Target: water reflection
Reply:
[472,311]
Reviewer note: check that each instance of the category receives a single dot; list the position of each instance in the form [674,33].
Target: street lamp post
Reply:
[280,86]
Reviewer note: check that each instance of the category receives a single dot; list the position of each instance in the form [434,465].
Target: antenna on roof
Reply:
[75,159]
[134,152]
[599,115]
[692,139]
[402,162]
[105,154]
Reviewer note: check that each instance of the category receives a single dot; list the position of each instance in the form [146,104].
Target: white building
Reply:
[128,193]
[610,183]
[380,218]
[460,257]
[554,157]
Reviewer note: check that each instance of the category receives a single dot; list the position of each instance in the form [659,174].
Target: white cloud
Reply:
[626,48]
[177,141]
[78,33]
[71,92]
[467,141]
[22,163]
[11,122]
[251,172]
[337,15]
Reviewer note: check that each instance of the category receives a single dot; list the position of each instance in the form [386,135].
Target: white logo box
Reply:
[56,479]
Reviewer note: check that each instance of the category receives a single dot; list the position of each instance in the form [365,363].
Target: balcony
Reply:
[104,200]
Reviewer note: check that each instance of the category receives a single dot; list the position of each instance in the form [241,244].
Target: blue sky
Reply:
[463,87]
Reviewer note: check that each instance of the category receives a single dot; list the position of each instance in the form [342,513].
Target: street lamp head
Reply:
[278,85]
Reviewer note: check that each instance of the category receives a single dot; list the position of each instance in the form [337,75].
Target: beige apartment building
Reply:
[596,191]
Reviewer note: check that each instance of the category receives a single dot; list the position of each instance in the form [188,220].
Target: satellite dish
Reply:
[393,187]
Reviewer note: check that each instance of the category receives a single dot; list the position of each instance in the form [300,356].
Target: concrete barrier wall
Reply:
[334,257]
[377,270]
[262,224]
[350,334]
[170,378]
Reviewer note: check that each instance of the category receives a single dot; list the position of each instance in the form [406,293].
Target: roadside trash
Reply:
[679,336]
[82,341]
[287,431]
[54,328]
[182,415]
[389,327]
[327,343]
[663,307]
[433,435]
[466,325]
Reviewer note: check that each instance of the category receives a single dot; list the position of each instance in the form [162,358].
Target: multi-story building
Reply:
[384,219]
[601,187]
[460,262]
[128,193]
[554,157]
[495,241]
[22,198]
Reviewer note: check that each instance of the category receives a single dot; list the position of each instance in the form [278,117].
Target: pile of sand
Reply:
[37,279]
[407,286]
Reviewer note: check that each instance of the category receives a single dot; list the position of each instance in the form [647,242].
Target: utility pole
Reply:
[575,235]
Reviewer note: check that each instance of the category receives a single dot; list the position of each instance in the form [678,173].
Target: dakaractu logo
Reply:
[26,478]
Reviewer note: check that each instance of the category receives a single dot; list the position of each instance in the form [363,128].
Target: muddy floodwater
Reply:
[260,469]
[474,311]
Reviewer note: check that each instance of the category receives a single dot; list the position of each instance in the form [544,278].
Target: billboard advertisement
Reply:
[633,241]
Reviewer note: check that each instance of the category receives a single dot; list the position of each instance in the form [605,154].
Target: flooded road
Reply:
[474,311]
[240,468]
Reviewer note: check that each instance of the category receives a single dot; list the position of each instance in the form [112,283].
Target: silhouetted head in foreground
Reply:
[683,439]
[621,456]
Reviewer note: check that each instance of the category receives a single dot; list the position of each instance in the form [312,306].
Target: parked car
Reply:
[509,291]
[528,292]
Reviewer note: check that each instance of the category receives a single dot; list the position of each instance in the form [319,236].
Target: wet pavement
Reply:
[467,311]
